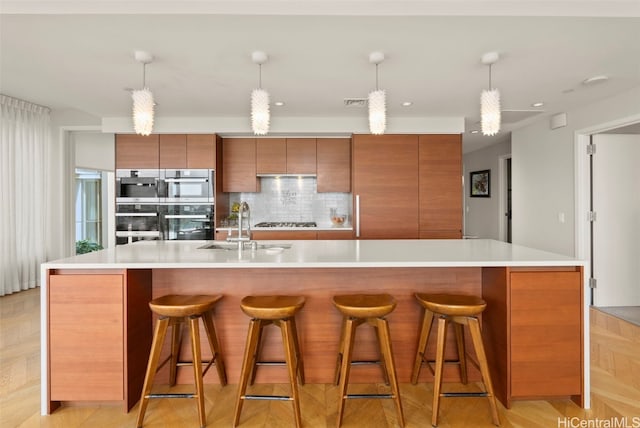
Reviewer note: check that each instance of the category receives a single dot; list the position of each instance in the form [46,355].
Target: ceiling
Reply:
[78,55]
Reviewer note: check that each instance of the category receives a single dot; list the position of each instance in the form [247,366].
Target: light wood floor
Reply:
[20,396]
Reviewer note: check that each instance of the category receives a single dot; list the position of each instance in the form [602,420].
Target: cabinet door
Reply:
[86,337]
[271,155]
[335,234]
[284,235]
[546,333]
[334,164]
[137,152]
[301,155]
[441,186]
[385,177]
[173,151]
[239,165]
[201,151]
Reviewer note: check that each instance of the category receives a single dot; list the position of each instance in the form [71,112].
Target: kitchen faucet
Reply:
[243,211]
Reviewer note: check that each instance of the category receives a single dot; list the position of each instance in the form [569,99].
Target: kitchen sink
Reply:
[228,246]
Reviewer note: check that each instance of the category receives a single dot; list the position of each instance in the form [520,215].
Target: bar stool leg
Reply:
[425,330]
[176,342]
[258,352]
[462,354]
[154,357]
[476,336]
[296,344]
[437,385]
[214,345]
[255,326]
[383,329]
[290,354]
[349,335]
[383,362]
[340,357]
[197,368]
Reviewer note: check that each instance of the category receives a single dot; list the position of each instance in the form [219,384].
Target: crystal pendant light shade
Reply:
[142,111]
[260,111]
[490,112]
[377,112]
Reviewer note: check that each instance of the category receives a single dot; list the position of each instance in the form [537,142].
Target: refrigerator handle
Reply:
[357,216]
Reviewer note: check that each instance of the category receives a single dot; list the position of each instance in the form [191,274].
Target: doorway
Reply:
[504,211]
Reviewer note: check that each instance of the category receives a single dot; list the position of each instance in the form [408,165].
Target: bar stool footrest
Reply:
[369,396]
[464,394]
[169,395]
[267,397]
[365,362]
[271,363]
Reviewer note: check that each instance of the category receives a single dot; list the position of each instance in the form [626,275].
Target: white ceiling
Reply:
[79,55]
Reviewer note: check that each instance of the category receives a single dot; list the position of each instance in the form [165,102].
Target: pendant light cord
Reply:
[259,76]
[490,87]
[144,75]
[377,77]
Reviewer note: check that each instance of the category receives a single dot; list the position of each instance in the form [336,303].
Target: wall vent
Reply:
[355,102]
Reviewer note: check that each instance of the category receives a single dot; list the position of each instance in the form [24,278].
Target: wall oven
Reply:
[137,185]
[135,222]
[187,185]
[187,221]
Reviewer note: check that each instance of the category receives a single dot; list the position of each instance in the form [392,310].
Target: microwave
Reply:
[186,185]
[137,186]
[137,222]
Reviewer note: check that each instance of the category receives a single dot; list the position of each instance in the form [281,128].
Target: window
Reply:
[89,206]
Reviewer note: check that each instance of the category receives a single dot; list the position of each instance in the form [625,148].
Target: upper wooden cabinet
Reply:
[301,155]
[193,151]
[333,164]
[385,181]
[440,186]
[286,156]
[239,165]
[137,152]
[271,155]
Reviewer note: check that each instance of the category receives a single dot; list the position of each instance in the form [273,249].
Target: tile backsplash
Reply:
[293,199]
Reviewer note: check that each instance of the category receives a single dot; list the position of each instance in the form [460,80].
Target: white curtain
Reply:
[25,137]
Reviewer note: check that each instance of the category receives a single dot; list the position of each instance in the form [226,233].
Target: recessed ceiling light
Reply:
[538,104]
[406,103]
[595,79]
[279,103]
[475,131]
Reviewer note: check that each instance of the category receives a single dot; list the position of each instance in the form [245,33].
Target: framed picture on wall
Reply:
[480,186]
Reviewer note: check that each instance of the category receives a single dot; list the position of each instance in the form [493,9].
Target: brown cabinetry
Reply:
[137,152]
[385,185]
[440,186]
[239,165]
[335,234]
[333,161]
[286,156]
[188,151]
[98,345]
[284,235]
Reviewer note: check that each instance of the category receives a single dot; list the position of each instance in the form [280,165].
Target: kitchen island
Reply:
[97,327]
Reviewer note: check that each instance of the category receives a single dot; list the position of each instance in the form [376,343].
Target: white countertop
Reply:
[317,254]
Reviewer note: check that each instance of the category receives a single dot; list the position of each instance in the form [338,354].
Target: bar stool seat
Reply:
[372,309]
[173,310]
[461,310]
[279,311]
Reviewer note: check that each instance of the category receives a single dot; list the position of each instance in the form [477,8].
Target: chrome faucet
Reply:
[243,212]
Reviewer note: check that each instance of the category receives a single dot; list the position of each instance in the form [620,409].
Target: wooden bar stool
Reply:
[372,309]
[174,310]
[279,311]
[461,310]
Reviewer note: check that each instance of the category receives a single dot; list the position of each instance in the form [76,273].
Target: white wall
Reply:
[543,178]
[482,215]
[94,150]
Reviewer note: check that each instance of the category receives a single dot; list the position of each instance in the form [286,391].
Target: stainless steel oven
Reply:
[187,185]
[135,222]
[187,221]
[137,185]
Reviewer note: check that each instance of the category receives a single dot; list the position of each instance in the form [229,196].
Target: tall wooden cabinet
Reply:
[385,186]
[440,186]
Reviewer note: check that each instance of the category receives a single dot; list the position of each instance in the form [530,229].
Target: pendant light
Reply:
[490,101]
[377,101]
[260,115]
[143,104]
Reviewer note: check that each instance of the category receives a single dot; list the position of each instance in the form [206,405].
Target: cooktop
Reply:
[286,224]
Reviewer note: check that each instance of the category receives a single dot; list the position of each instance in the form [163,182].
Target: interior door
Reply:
[616,229]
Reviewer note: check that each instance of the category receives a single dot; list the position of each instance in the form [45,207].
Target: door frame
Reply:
[502,195]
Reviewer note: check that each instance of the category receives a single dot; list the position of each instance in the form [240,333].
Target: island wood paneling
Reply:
[319,321]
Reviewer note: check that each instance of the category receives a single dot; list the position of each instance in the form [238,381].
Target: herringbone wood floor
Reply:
[20,396]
